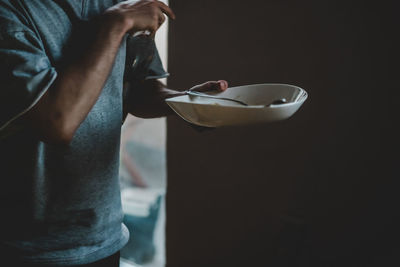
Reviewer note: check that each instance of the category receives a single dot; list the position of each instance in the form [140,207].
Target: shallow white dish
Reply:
[210,112]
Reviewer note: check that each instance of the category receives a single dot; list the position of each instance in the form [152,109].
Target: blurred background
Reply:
[143,172]
[319,189]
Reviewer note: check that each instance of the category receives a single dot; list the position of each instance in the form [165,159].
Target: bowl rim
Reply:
[300,99]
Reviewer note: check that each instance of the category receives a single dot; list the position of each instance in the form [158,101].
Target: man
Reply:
[62,68]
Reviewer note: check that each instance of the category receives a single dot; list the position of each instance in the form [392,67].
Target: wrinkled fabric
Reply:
[25,74]
[143,61]
[60,204]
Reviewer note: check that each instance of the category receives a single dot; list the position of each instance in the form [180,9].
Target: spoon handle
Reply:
[194,93]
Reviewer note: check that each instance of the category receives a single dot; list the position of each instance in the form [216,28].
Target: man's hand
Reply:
[149,100]
[134,16]
[221,85]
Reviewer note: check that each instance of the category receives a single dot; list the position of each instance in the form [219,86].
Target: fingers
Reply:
[223,85]
[163,9]
[220,85]
[207,86]
[161,19]
[157,25]
[166,10]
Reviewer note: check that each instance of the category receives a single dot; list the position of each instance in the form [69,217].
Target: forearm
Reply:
[58,114]
[147,100]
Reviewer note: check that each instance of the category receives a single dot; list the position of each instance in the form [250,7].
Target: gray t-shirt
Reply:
[60,204]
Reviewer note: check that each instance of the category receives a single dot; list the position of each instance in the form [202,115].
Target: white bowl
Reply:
[210,112]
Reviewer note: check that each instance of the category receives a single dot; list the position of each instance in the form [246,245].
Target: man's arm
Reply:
[148,101]
[61,110]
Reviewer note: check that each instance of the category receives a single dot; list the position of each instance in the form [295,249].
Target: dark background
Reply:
[319,189]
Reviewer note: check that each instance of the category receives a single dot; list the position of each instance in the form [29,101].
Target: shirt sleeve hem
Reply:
[34,102]
[153,77]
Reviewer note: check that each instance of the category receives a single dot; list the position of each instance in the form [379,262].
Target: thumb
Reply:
[220,85]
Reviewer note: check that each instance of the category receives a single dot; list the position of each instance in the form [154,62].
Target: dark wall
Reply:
[319,189]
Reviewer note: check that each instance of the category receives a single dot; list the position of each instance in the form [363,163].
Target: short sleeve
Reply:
[25,74]
[142,60]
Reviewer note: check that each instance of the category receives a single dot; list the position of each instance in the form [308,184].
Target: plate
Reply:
[210,112]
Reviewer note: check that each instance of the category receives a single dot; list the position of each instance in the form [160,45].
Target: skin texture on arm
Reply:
[58,114]
[62,109]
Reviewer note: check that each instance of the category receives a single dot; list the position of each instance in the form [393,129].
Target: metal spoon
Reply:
[195,93]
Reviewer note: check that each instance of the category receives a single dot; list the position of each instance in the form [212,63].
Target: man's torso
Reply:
[61,203]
